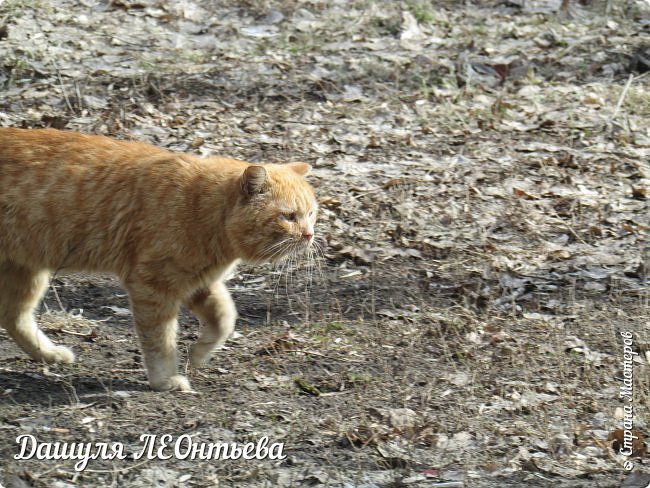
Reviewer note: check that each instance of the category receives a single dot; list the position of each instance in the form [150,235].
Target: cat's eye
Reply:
[290,216]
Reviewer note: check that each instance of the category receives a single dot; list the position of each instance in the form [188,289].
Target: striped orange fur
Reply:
[171,226]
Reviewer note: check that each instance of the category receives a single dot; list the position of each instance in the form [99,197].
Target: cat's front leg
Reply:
[215,308]
[156,323]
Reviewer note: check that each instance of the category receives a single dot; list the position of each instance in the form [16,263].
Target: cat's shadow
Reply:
[26,388]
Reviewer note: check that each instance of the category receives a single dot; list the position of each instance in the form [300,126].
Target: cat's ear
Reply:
[303,169]
[253,181]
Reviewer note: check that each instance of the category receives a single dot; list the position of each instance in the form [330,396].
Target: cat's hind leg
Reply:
[21,289]
[155,319]
[216,310]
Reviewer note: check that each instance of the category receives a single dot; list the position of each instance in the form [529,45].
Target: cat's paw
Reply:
[56,354]
[177,382]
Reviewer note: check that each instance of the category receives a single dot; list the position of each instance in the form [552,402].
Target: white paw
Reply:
[177,382]
[56,354]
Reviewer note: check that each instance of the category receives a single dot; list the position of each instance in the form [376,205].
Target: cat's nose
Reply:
[307,236]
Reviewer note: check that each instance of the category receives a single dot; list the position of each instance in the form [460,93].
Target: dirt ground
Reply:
[482,169]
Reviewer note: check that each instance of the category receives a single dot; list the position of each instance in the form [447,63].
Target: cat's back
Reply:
[56,147]
[63,190]
[53,168]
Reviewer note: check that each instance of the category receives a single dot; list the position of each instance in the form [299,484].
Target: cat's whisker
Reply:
[318,255]
[282,270]
[272,253]
[308,285]
[273,250]
[276,244]
[289,271]
[287,256]
[319,248]
[310,270]
[277,255]
[316,262]
[313,257]
[285,270]
[294,261]
[286,265]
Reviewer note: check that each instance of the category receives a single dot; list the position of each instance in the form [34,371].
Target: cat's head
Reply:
[275,214]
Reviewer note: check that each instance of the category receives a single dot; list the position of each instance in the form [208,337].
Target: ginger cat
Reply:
[171,226]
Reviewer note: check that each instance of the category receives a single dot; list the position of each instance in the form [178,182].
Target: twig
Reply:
[121,470]
[568,226]
[564,8]
[308,123]
[621,99]
[65,94]
[334,393]
[87,334]
[272,353]
[79,101]
[56,295]
[542,477]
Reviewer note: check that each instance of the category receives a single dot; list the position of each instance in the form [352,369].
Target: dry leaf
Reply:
[524,194]
[618,444]
[330,202]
